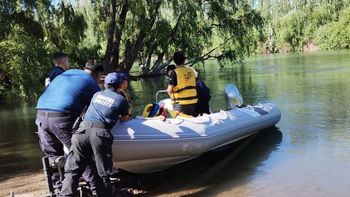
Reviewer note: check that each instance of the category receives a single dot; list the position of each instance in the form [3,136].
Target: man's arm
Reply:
[170,89]
[124,115]
[172,82]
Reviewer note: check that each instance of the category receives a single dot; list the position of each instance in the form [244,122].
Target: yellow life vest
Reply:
[184,93]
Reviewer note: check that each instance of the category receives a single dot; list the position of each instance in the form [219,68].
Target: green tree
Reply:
[30,31]
[335,35]
[22,65]
[144,30]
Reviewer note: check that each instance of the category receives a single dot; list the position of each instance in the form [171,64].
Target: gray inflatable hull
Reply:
[146,145]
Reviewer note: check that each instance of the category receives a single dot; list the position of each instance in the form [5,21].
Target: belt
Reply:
[87,124]
[52,113]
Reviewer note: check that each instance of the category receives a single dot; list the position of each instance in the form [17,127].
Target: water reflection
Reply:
[19,150]
[216,171]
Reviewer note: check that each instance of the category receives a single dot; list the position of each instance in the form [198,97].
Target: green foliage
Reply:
[19,13]
[291,25]
[163,27]
[149,31]
[64,30]
[335,35]
[23,64]
[30,32]
[290,30]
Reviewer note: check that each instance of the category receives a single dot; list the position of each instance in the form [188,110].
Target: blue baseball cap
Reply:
[115,78]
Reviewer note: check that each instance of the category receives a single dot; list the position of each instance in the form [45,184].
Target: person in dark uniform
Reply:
[182,86]
[58,108]
[92,142]
[61,64]
[203,93]
[122,88]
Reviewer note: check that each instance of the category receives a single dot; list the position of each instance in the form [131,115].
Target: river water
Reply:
[307,154]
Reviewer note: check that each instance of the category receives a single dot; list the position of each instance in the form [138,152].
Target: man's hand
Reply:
[124,118]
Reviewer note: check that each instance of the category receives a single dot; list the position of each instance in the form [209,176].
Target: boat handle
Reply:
[160,91]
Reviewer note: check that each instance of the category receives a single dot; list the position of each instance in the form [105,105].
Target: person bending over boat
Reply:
[203,93]
[182,86]
[58,108]
[61,64]
[92,142]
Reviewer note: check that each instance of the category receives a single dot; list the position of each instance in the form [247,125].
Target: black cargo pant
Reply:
[54,130]
[91,144]
[186,109]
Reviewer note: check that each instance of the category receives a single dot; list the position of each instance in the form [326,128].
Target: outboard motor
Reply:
[234,98]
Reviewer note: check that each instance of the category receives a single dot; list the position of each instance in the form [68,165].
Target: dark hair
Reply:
[170,67]
[94,65]
[58,55]
[179,58]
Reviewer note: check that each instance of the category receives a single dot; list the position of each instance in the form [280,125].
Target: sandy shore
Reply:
[34,185]
[193,178]
[31,184]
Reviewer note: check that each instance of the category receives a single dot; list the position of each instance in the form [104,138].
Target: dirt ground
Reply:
[34,185]
[188,179]
[25,185]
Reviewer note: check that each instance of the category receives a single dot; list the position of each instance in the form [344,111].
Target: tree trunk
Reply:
[115,30]
[110,36]
[118,35]
[158,66]
[133,49]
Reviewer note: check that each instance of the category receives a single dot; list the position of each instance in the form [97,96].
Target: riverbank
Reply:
[33,185]
[28,184]
[182,180]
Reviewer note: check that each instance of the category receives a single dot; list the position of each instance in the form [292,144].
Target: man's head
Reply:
[169,69]
[117,80]
[179,58]
[94,68]
[61,59]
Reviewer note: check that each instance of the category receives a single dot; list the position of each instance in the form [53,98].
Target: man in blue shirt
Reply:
[61,64]
[92,142]
[60,105]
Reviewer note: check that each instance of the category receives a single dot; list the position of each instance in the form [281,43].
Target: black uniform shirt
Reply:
[173,78]
[53,74]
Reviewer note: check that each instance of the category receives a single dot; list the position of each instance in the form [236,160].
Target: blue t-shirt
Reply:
[106,106]
[69,92]
[53,74]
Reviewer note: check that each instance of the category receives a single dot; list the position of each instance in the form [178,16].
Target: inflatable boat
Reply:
[145,145]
